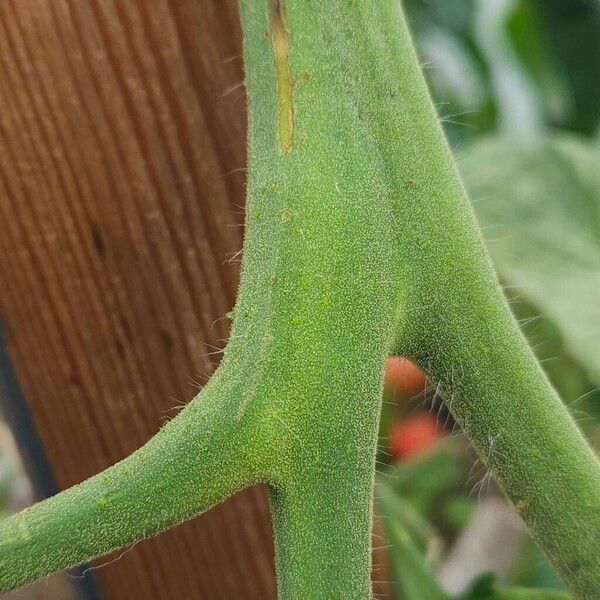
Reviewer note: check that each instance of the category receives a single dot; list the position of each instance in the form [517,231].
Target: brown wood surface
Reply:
[121,135]
[122,154]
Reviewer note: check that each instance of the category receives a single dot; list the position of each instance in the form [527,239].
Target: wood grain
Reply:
[122,154]
[122,140]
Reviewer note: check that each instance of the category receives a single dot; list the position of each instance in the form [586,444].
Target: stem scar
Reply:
[284,82]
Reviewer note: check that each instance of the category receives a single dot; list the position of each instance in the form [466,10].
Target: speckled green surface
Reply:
[359,241]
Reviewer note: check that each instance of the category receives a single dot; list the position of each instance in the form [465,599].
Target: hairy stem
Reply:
[194,462]
[319,257]
[359,240]
[323,531]
[366,135]
[458,327]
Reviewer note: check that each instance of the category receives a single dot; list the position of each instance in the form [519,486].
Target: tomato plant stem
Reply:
[359,241]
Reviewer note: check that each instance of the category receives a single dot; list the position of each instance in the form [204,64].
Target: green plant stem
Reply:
[412,576]
[504,403]
[458,327]
[321,216]
[194,462]
[365,128]
[322,542]
[359,240]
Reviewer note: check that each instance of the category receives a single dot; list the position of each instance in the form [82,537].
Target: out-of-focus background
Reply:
[517,87]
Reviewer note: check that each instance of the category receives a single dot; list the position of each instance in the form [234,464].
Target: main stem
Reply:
[315,294]
[339,106]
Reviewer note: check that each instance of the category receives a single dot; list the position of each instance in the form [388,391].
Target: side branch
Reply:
[193,463]
[459,328]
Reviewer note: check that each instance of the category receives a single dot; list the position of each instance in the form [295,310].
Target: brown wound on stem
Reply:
[283,74]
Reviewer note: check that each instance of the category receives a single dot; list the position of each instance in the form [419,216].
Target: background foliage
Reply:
[516,87]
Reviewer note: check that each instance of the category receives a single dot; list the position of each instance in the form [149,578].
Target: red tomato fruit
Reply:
[413,436]
[403,377]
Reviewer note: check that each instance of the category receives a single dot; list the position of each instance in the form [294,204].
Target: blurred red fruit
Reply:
[403,377]
[413,436]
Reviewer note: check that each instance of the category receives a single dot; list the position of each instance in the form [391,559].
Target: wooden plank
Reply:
[122,140]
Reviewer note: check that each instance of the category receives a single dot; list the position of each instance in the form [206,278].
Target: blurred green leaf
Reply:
[486,60]
[483,589]
[414,579]
[422,478]
[538,202]
[455,67]
[399,512]
[408,535]
[532,569]
[411,537]
[6,480]
[528,594]
[404,494]
[480,589]
[458,510]
[573,33]
[531,46]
